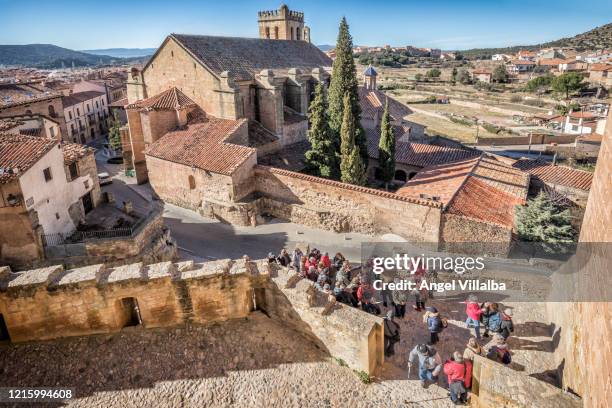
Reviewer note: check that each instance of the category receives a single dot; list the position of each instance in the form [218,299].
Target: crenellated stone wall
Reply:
[52,302]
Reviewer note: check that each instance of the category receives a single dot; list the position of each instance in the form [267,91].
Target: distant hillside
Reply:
[48,56]
[123,52]
[325,47]
[595,39]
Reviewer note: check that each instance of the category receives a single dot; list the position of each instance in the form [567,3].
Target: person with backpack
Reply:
[497,350]
[473,311]
[459,374]
[493,320]
[488,309]
[392,334]
[429,360]
[506,326]
[472,349]
[400,298]
[434,322]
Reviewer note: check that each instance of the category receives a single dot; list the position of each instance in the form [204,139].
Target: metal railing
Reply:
[83,236]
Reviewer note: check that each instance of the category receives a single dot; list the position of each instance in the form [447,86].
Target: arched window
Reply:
[297,34]
[276,33]
[51,111]
[268,32]
[292,35]
[192,183]
[400,175]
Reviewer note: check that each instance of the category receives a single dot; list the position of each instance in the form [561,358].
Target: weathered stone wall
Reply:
[87,167]
[495,385]
[484,238]
[294,132]
[52,302]
[327,204]
[584,353]
[157,123]
[173,66]
[19,238]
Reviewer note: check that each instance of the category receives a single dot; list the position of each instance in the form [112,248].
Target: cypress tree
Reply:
[343,81]
[322,158]
[352,168]
[386,148]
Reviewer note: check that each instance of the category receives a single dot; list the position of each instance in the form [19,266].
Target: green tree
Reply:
[568,83]
[418,77]
[463,77]
[343,81]
[454,75]
[352,168]
[541,220]
[114,134]
[433,73]
[540,83]
[500,74]
[322,158]
[386,148]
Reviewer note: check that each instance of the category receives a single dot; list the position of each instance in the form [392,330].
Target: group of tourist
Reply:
[352,286]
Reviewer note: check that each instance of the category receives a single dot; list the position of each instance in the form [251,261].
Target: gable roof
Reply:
[561,175]
[203,145]
[481,188]
[171,98]
[245,57]
[373,105]
[74,151]
[18,153]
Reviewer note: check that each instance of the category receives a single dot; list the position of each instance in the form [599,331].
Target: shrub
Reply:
[461,121]
[491,128]
[340,362]
[364,377]
[516,99]
[534,102]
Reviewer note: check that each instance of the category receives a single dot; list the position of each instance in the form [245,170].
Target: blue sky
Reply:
[446,24]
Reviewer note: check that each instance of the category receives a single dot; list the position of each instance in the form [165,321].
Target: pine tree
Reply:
[352,168]
[322,158]
[386,148]
[343,81]
[543,221]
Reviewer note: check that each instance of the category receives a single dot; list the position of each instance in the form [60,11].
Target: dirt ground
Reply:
[252,362]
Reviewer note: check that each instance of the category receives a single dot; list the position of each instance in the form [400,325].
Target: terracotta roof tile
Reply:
[418,154]
[373,104]
[8,124]
[479,200]
[74,151]
[18,153]
[79,97]
[561,175]
[172,98]
[246,57]
[203,145]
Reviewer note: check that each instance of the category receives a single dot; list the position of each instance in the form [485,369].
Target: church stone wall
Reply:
[327,204]
[174,66]
[457,230]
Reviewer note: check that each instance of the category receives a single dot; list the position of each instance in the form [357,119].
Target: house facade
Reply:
[45,188]
[86,115]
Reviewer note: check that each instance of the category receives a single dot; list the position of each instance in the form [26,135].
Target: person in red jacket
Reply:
[326,261]
[459,375]
[473,311]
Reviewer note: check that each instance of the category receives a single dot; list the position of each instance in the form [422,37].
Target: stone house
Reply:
[86,115]
[31,125]
[482,75]
[45,188]
[32,100]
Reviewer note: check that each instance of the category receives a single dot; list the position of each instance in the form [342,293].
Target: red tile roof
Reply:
[481,72]
[419,154]
[373,104]
[498,186]
[203,145]
[119,103]
[79,97]
[479,200]
[8,124]
[561,175]
[74,151]
[172,98]
[600,67]
[582,115]
[18,153]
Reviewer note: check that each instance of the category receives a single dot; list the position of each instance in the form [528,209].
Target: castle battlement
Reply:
[283,24]
[52,302]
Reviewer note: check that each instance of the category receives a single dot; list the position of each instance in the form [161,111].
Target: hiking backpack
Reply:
[494,323]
